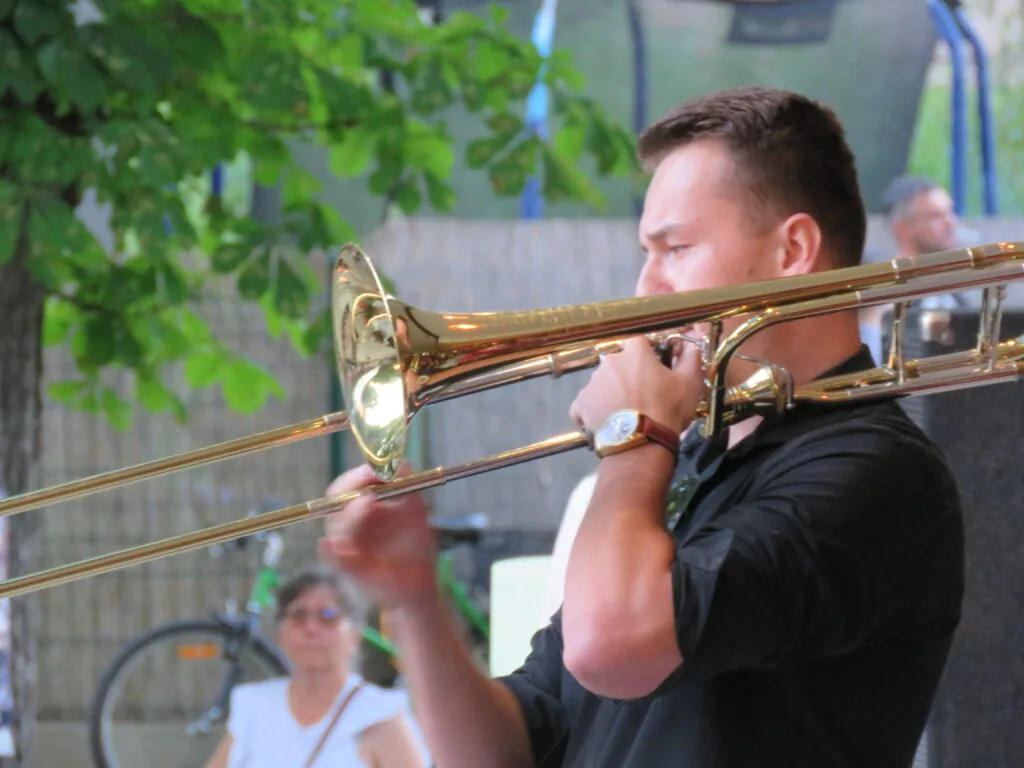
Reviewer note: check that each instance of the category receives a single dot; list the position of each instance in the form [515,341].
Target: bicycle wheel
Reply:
[164,698]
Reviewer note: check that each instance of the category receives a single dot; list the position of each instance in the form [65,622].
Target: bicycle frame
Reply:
[458,592]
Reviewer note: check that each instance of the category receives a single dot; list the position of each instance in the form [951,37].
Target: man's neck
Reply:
[816,345]
[831,340]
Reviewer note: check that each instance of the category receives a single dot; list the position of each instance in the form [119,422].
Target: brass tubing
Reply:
[449,355]
[857,286]
[461,344]
[323,425]
[1009,370]
[308,510]
[557,364]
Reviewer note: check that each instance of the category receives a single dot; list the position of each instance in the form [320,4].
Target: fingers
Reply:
[574,412]
[355,479]
[361,477]
[343,528]
[367,519]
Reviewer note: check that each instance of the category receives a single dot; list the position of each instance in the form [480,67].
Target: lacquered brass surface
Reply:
[371,361]
[394,359]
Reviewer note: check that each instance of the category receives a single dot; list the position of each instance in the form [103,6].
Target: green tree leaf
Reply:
[118,411]
[194,328]
[300,186]
[138,106]
[291,297]
[441,195]
[228,257]
[352,155]
[565,181]
[68,391]
[570,141]
[58,319]
[246,386]
[36,20]
[429,150]
[205,369]
[254,279]
[407,195]
[152,393]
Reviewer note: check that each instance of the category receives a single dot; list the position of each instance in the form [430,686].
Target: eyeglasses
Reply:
[326,617]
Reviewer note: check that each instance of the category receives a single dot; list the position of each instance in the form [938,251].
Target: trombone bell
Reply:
[371,361]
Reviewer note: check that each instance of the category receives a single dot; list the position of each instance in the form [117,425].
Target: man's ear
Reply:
[800,245]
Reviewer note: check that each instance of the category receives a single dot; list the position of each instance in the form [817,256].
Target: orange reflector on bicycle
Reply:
[195,651]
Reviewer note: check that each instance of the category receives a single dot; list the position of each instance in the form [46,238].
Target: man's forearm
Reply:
[622,543]
[466,718]
[618,589]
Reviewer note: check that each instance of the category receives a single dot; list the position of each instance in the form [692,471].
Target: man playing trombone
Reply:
[782,595]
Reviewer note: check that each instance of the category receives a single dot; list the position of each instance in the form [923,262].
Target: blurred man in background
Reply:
[921,216]
[921,219]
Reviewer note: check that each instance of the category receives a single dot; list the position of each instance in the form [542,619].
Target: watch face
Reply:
[618,428]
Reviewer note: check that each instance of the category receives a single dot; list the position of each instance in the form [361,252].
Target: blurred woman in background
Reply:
[323,714]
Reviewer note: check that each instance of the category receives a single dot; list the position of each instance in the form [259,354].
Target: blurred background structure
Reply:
[910,101]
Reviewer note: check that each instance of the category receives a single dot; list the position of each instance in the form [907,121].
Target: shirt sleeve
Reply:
[537,685]
[845,540]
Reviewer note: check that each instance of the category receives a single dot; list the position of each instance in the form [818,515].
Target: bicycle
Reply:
[235,637]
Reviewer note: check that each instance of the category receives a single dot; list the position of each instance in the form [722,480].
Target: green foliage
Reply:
[139,104]
[931,146]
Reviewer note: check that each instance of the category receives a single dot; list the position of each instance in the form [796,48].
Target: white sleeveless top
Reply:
[266,735]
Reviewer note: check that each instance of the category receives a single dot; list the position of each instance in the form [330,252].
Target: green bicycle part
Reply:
[377,639]
[460,594]
[266,584]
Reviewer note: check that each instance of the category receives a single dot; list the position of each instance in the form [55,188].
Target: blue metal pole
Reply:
[986,122]
[217,182]
[532,201]
[950,33]
[636,30]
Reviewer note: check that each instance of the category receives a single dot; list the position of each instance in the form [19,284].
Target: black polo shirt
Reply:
[818,582]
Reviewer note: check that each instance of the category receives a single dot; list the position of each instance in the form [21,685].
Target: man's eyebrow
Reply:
[664,230]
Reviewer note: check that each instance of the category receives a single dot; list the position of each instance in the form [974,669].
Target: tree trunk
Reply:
[22,301]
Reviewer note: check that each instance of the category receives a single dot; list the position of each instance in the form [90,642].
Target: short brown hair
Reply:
[310,577]
[791,153]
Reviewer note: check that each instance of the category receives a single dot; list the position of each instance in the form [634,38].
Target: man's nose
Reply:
[650,281]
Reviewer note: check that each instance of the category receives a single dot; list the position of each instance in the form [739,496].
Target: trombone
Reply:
[394,359]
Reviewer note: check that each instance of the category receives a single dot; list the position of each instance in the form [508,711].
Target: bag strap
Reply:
[330,725]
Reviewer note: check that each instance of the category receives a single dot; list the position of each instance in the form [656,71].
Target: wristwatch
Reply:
[627,429]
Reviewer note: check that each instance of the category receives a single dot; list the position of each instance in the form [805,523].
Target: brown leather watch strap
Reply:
[659,433]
